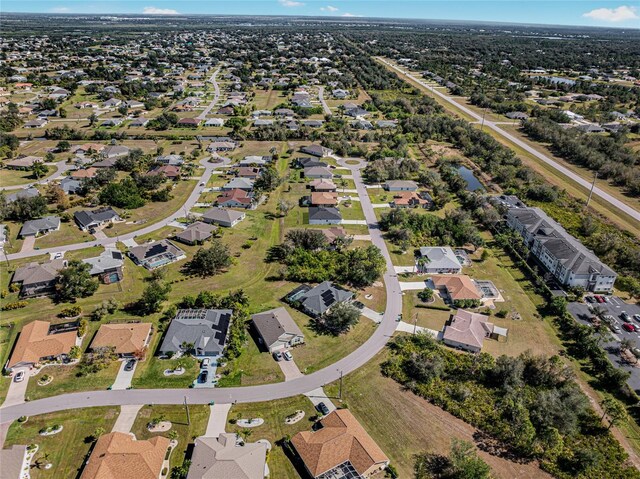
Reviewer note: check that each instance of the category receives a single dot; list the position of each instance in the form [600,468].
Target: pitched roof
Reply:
[235,194]
[324,198]
[340,439]
[12,461]
[274,323]
[85,173]
[85,218]
[440,257]
[468,328]
[125,337]
[33,227]
[323,213]
[110,258]
[35,342]
[117,455]
[459,286]
[147,251]
[333,233]
[221,458]
[206,329]
[222,215]
[323,184]
[323,296]
[32,273]
[196,232]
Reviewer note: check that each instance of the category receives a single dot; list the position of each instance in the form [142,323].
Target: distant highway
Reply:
[529,149]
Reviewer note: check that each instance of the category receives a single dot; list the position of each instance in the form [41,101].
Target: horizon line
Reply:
[327,17]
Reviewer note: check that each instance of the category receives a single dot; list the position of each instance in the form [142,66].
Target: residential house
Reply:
[70,185]
[111,122]
[386,124]
[139,122]
[156,254]
[317,172]
[127,339]
[223,217]
[256,160]
[456,287]
[38,123]
[339,448]
[14,461]
[118,455]
[196,233]
[107,266]
[277,330]
[38,279]
[114,151]
[38,342]
[23,163]
[400,185]
[316,150]
[215,122]
[322,198]
[173,160]
[248,172]
[333,233]
[201,331]
[169,171]
[84,173]
[308,162]
[221,146]
[323,184]
[438,260]
[238,184]
[90,220]
[319,215]
[570,262]
[318,300]
[29,192]
[411,199]
[189,122]
[227,457]
[40,227]
[236,198]
[466,330]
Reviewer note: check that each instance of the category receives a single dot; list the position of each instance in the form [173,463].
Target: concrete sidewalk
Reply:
[217,419]
[127,417]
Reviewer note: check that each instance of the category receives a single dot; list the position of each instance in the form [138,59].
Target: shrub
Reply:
[70,312]
[502,313]
[15,305]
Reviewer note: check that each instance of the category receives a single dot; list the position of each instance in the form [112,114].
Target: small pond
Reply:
[472,182]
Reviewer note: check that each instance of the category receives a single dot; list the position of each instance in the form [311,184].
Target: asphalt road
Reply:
[529,149]
[615,307]
[325,107]
[182,211]
[216,96]
[265,392]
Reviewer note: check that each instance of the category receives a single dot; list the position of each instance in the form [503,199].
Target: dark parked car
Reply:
[130,365]
[204,375]
[322,407]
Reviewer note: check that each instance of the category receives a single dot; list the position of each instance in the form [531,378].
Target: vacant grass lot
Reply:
[274,428]
[19,177]
[404,424]
[199,415]
[67,449]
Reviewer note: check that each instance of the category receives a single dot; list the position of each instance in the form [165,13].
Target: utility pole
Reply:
[595,177]
[186,407]
[483,115]
[340,393]
[415,323]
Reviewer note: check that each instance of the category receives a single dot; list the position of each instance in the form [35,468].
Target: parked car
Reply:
[614,327]
[636,317]
[19,376]
[277,355]
[606,299]
[590,299]
[204,375]
[599,299]
[322,407]
[205,363]
[625,317]
[287,356]
[130,365]
[629,327]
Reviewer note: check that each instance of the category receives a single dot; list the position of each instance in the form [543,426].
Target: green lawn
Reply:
[20,177]
[68,233]
[67,450]
[274,428]
[150,373]
[199,415]
[65,381]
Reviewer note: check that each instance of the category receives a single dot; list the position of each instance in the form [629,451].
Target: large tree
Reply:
[339,319]
[153,296]
[75,281]
[210,261]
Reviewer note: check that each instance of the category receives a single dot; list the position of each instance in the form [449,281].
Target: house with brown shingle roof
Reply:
[458,286]
[118,455]
[126,338]
[322,198]
[36,343]
[339,447]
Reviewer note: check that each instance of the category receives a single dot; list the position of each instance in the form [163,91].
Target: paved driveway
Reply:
[28,244]
[127,417]
[217,419]
[16,392]
[290,370]
[317,396]
[211,378]
[123,379]
[413,285]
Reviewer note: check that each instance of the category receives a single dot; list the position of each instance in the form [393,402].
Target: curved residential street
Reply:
[216,96]
[266,392]
[325,107]
[61,168]
[209,168]
[529,149]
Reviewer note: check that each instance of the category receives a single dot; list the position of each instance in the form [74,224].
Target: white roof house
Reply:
[438,260]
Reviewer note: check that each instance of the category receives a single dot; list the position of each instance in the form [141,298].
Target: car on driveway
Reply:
[629,327]
[277,355]
[205,363]
[322,407]
[287,356]
[130,365]
[19,376]
[204,375]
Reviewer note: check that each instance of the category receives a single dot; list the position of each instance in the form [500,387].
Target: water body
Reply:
[472,182]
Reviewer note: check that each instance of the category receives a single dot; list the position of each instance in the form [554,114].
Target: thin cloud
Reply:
[347,14]
[329,8]
[60,10]
[159,11]
[619,14]
[290,3]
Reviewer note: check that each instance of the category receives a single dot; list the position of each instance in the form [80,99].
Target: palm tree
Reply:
[246,433]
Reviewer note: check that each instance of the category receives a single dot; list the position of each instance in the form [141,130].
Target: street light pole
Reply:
[340,393]
[186,407]
[595,177]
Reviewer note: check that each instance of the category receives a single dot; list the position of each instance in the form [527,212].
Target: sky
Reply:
[624,13]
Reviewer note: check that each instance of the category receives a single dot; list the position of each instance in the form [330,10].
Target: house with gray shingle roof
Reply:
[156,254]
[318,300]
[225,457]
[320,215]
[277,329]
[201,331]
[41,226]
